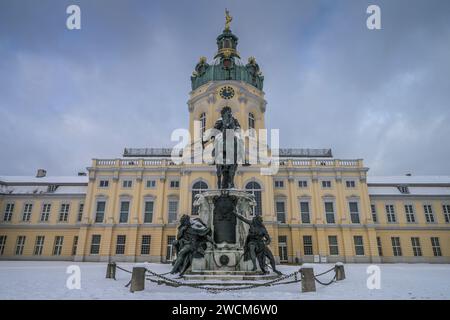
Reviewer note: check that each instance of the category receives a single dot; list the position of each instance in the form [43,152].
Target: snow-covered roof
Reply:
[413,191]
[44,180]
[407,180]
[26,189]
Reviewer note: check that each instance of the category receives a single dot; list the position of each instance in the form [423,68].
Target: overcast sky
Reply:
[123,79]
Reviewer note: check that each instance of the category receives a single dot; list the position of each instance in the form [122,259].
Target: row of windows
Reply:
[63,214]
[202,119]
[58,242]
[121,241]
[410,214]
[358,243]
[326,184]
[149,184]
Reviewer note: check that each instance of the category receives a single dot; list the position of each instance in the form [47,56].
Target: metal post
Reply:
[111,271]
[340,273]
[138,279]
[308,282]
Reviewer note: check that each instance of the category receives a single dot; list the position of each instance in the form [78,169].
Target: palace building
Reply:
[316,208]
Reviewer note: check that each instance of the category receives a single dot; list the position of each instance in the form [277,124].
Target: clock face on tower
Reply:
[226,92]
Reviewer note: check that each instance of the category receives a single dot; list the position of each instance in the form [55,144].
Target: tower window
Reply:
[251,121]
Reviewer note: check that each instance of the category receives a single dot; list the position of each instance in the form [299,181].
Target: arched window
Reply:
[203,122]
[251,121]
[198,187]
[254,188]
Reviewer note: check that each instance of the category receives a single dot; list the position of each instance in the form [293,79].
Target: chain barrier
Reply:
[325,272]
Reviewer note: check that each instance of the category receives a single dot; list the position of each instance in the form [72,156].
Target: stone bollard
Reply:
[339,269]
[308,282]
[138,279]
[111,271]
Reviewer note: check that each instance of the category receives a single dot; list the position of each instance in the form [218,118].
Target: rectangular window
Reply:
[64,212]
[148,211]
[403,189]
[373,210]
[281,212]
[127,183]
[173,210]
[27,208]
[279,184]
[304,211]
[75,245]
[38,245]
[120,244]
[58,245]
[350,184]
[9,209]
[145,244]
[45,214]
[95,243]
[80,212]
[20,244]
[151,184]
[333,245]
[429,216]
[303,183]
[446,210]
[329,212]
[100,211]
[170,252]
[415,243]
[396,247]
[2,244]
[354,212]
[174,184]
[409,212]
[307,245]
[326,184]
[359,245]
[390,213]
[103,183]
[380,248]
[124,209]
[436,246]
[282,248]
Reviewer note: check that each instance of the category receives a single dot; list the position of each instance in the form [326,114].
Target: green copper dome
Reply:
[227,65]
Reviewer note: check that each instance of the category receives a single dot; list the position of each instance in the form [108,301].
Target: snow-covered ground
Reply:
[47,280]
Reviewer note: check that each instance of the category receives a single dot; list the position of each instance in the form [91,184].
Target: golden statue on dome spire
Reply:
[228,19]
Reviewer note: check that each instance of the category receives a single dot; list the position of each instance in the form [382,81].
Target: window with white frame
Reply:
[103,183]
[350,184]
[45,213]
[127,183]
[379,246]
[303,183]
[80,211]
[326,184]
[148,211]
[329,212]
[150,184]
[429,215]
[446,211]
[409,213]
[75,245]
[203,122]
[396,247]
[373,210]
[52,188]
[120,244]
[390,213]
[38,245]
[27,209]
[282,248]
[304,212]
[254,188]
[64,212]
[95,243]
[359,245]
[354,212]
[197,188]
[20,244]
[307,246]
[170,252]
[2,244]
[174,184]
[9,210]
[403,189]
[57,248]
[436,247]
[280,207]
[415,243]
[173,210]
[145,244]
[124,210]
[333,245]
[100,211]
[279,184]
[251,121]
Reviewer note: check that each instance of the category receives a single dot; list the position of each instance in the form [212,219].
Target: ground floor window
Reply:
[282,248]
[58,245]
[2,244]
[307,245]
[359,245]
[20,244]
[417,250]
[95,243]
[39,245]
[436,246]
[396,247]
[170,253]
[120,244]
[333,245]
[380,248]
[75,245]
[145,244]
